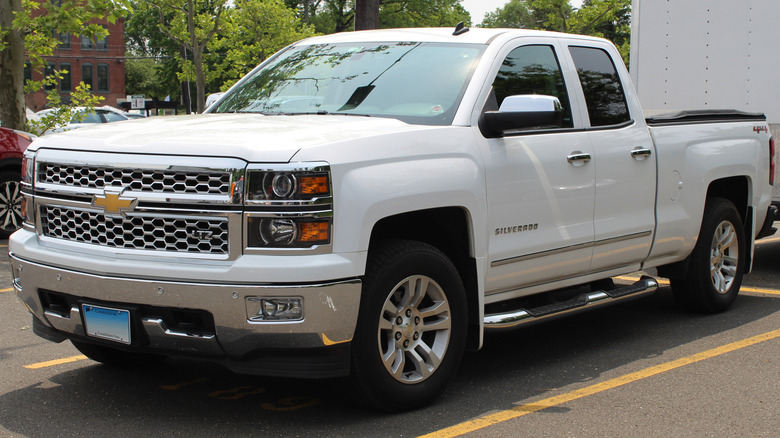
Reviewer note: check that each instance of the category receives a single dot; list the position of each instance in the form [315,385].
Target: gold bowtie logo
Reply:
[112,202]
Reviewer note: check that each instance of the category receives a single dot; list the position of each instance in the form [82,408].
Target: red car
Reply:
[12,145]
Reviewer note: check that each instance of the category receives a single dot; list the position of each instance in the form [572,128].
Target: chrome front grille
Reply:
[182,234]
[145,180]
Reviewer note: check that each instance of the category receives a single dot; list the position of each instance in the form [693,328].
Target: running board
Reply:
[589,300]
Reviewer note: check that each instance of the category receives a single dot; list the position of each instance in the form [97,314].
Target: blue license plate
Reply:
[107,323]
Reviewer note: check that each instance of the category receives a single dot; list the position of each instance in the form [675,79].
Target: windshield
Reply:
[419,83]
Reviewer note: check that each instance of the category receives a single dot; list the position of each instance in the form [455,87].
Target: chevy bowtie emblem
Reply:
[113,203]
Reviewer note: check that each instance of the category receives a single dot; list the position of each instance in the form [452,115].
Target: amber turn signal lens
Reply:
[314,232]
[313,185]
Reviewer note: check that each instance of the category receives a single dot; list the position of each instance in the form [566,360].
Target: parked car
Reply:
[12,145]
[105,114]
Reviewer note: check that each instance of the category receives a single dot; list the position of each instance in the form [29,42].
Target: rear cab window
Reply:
[604,95]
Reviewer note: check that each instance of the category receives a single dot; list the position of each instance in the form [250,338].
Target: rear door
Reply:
[624,159]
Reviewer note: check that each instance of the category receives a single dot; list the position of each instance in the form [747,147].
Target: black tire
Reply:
[10,203]
[116,357]
[717,262]
[423,336]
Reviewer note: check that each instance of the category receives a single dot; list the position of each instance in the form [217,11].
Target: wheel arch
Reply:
[450,230]
[735,189]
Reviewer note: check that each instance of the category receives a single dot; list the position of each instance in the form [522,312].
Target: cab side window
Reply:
[604,94]
[533,70]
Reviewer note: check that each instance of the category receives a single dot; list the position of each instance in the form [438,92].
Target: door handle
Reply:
[641,153]
[578,158]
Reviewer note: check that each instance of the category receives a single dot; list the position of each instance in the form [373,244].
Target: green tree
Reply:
[192,24]
[255,30]
[32,27]
[422,13]
[609,19]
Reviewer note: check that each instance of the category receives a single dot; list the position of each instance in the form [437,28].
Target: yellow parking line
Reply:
[52,363]
[519,411]
[9,289]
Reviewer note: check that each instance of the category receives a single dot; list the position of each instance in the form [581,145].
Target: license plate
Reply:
[107,323]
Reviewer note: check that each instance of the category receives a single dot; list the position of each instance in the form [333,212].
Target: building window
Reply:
[102,44]
[86,43]
[66,83]
[64,38]
[102,77]
[86,75]
[27,71]
[47,73]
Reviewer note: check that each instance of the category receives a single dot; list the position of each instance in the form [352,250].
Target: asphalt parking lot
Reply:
[640,368]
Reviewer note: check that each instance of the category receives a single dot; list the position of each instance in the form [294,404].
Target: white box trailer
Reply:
[708,54]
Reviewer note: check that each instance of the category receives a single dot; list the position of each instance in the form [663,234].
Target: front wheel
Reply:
[717,262]
[411,330]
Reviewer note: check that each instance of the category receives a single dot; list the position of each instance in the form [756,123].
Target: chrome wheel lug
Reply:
[416,319]
[399,320]
[397,336]
[406,343]
[408,313]
[416,336]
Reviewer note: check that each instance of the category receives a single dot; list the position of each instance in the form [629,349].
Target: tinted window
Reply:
[532,70]
[112,117]
[604,94]
[419,83]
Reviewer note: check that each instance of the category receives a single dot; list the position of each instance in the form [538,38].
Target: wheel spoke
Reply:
[728,238]
[442,323]
[438,308]
[428,355]
[393,359]
[421,285]
[421,364]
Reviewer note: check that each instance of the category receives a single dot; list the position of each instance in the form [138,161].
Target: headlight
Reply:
[27,180]
[289,206]
[28,167]
[300,185]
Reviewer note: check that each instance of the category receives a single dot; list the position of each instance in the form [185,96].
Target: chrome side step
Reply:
[508,320]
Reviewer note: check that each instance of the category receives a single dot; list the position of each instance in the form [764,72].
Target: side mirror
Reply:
[523,112]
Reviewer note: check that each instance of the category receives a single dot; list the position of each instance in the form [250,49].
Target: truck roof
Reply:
[438,34]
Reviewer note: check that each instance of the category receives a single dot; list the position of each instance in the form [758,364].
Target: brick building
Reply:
[98,63]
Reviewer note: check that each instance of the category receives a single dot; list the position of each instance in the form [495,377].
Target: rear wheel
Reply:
[411,329]
[717,262]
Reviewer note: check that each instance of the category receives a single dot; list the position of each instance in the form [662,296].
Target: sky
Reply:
[478,8]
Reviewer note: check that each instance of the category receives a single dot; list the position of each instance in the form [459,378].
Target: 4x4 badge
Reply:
[113,203]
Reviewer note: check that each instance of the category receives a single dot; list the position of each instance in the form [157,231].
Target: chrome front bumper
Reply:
[329,315]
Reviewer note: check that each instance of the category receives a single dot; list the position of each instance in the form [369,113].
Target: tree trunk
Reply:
[366,14]
[11,68]
[185,86]
[200,78]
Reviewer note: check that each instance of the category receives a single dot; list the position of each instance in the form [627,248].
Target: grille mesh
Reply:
[185,235]
[163,181]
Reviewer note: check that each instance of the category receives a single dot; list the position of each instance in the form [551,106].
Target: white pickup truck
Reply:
[366,205]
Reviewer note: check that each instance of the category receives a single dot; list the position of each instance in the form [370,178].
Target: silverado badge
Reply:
[113,203]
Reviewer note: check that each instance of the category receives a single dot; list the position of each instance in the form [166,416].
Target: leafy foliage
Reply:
[34,29]
[609,19]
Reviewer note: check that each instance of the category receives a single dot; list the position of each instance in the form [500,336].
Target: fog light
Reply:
[274,308]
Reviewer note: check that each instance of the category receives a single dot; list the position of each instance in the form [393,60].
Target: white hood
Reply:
[252,137]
